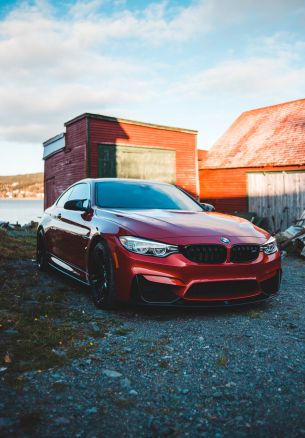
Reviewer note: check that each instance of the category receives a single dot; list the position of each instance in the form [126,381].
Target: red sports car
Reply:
[151,243]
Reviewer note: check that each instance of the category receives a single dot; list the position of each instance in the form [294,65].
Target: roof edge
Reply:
[207,167]
[52,139]
[270,106]
[131,122]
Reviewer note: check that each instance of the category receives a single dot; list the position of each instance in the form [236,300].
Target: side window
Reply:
[64,198]
[80,191]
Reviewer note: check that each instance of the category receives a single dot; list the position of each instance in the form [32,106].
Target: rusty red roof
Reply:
[269,136]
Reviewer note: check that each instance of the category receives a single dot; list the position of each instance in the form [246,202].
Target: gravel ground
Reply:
[171,373]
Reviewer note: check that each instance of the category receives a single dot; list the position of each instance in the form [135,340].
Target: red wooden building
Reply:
[100,146]
[259,165]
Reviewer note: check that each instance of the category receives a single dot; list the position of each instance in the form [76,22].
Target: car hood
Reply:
[160,224]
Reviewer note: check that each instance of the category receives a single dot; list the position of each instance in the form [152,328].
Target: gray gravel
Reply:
[175,373]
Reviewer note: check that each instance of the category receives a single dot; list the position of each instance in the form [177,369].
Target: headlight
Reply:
[147,247]
[270,246]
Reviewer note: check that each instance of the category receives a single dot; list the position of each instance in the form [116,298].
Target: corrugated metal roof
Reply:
[269,136]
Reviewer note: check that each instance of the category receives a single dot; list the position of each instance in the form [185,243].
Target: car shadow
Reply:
[157,313]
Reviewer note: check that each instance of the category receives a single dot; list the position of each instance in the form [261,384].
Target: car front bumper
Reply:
[176,281]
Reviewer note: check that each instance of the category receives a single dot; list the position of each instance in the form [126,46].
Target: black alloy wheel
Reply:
[102,278]
[41,256]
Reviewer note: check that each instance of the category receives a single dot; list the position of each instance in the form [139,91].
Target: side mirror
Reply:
[78,205]
[207,207]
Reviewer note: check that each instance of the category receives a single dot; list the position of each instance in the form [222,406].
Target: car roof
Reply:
[129,180]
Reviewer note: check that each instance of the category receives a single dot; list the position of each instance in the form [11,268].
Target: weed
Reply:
[124,403]
[152,350]
[164,364]
[122,331]
[163,340]
[254,314]
[222,361]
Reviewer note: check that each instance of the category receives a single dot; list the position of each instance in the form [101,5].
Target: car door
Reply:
[55,232]
[75,227]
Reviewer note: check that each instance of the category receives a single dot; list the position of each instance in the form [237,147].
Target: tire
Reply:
[41,255]
[102,283]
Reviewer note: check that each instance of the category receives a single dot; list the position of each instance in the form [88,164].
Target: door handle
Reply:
[58,216]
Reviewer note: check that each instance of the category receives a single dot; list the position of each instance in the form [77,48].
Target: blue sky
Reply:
[193,64]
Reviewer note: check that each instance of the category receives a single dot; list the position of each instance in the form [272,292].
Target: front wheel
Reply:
[41,255]
[102,277]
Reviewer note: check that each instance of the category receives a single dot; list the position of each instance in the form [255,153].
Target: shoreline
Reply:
[21,199]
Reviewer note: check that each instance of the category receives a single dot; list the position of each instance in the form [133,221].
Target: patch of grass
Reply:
[122,331]
[47,333]
[152,350]
[163,340]
[157,346]
[254,314]
[222,361]
[17,246]
[44,342]
[164,364]
[146,341]
[124,403]
[37,341]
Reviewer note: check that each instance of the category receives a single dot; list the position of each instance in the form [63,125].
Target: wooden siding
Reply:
[67,166]
[184,143]
[227,188]
[280,196]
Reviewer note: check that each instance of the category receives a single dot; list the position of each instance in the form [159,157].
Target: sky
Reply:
[195,64]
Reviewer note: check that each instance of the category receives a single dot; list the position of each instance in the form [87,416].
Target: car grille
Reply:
[222,289]
[205,253]
[244,253]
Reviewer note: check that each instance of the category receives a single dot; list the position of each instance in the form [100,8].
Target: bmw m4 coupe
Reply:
[152,243]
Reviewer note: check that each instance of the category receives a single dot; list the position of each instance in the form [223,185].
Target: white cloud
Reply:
[53,67]
[49,73]
[274,68]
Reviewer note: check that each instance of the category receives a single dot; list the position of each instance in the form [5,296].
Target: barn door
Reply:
[280,196]
[137,162]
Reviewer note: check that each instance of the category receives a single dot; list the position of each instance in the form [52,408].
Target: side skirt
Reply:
[66,269]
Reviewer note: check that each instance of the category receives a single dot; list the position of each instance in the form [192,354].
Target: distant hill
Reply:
[22,186]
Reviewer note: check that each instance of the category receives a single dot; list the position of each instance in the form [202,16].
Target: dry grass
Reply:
[254,314]
[222,361]
[38,329]
[122,331]
[17,245]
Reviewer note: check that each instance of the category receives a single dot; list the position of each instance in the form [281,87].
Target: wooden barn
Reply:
[99,146]
[259,165]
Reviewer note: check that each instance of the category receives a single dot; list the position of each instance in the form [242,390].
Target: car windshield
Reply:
[142,196]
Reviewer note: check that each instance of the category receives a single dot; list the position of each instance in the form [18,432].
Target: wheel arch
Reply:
[93,242]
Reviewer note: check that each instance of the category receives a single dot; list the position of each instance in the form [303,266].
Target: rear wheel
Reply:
[102,277]
[41,255]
